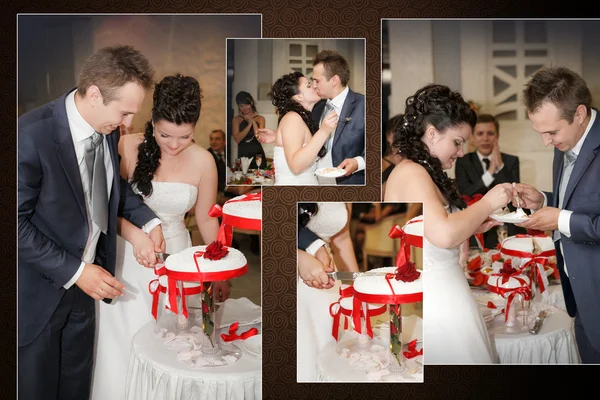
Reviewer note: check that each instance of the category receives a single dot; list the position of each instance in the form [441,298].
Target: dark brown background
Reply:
[299,18]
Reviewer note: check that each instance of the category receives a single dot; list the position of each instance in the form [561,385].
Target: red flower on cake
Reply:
[475,264]
[507,271]
[215,251]
[480,279]
[407,272]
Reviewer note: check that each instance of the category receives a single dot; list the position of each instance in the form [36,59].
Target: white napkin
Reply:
[246,163]
[239,310]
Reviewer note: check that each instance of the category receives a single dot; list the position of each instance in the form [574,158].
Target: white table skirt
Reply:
[555,344]
[155,373]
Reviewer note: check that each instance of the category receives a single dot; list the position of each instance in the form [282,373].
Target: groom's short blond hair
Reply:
[334,64]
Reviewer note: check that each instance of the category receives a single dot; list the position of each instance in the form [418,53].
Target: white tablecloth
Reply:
[555,344]
[155,373]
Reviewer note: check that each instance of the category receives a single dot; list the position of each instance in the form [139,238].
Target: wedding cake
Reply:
[374,282]
[193,261]
[248,206]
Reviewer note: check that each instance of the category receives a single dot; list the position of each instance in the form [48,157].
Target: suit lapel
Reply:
[65,151]
[589,149]
[347,109]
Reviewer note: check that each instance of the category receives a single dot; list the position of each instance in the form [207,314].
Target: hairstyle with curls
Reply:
[559,86]
[282,93]
[177,99]
[245,98]
[305,212]
[111,68]
[440,107]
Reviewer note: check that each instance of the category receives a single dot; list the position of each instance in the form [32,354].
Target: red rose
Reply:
[407,272]
[215,251]
[480,279]
[474,264]
[393,328]
[204,308]
[507,268]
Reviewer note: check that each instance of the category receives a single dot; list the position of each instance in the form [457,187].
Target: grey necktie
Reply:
[94,159]
[569,163]
[328,108]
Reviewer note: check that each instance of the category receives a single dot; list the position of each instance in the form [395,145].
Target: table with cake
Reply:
[197,348]
[514,285]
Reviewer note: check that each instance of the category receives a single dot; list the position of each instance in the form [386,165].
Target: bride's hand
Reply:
[498,196]
[488,224]
[313,272]
[144,249]
[330,122]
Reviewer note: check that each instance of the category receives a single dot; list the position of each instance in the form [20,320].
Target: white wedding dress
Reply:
[313,320]
[454,331]
[118,322]
[283,175]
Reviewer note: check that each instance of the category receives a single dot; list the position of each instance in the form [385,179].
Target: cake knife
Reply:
[539,321]
[343,275]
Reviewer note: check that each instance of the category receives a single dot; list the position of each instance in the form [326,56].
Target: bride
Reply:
[331,222]
[298,143]
[173,175]
[436,124]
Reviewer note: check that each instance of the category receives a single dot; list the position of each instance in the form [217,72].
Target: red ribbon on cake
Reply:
[225,235]
[472,200]
[523,290]
[536,262]
[336,311]
[412,350]
[233,333]
[155,289]
[406,240]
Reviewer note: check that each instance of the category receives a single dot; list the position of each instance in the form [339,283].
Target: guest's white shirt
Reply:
[487,178]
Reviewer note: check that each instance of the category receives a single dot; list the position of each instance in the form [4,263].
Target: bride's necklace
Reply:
[176,167]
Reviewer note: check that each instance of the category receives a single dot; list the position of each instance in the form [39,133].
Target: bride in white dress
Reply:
[436,124]
[174,175]
[298,143]
[329,221]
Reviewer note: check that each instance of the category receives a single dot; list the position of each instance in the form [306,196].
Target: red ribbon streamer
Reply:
[225,235]
[524,290]
[233,333]
[335,314]
[161,289]
[406,240]
[412,350]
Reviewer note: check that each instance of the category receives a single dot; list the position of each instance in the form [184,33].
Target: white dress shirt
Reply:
[487,178]
[564,217]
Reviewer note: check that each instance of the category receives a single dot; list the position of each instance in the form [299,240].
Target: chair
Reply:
[377,242]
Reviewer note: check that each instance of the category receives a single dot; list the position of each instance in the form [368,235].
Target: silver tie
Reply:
[94,159]
[328,108]
[568,164]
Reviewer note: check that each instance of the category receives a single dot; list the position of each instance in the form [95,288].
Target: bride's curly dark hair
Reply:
[282,92]
[440,107]
[177,99]
[305,212]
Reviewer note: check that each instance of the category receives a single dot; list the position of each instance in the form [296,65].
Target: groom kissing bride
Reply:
[321,125]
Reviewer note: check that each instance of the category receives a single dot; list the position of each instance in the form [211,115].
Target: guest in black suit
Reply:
[69,197]
[479,171]
[217,149]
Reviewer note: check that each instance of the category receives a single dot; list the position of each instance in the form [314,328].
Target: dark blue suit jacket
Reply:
[582,250]
[349,139]
[53,226]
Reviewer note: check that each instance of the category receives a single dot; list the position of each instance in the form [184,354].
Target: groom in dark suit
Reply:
[69,196]
[558,103]
[479,171]
[346,146]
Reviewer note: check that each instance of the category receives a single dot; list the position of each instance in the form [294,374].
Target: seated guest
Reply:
[217,149]
[479,171]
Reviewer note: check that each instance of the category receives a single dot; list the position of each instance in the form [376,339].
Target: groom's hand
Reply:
[350,165]
[529,197]
[98,283]
[544,219]
[157,237]
[266,135]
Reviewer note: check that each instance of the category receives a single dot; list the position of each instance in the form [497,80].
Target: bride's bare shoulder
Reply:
[128,144]
[408,170]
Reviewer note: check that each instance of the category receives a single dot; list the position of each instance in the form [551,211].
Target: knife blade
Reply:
[162,257]
[539,321]
[343,275]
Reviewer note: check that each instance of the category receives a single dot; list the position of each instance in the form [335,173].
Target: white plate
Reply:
[508,218]
[253,345]
[332,174]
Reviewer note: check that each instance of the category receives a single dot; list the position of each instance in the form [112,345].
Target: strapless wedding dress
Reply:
[313,320]
[454,331]
[283,175]
[119,321]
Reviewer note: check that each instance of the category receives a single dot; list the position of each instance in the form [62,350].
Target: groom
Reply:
[346,146]
[558,104]
[69,197]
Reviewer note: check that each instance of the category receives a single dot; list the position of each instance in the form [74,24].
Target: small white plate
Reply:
[253,345]
[509,218]
[333,173]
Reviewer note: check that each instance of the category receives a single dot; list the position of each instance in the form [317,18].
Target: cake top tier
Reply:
[192,261]
[414,226]
[247,206]
[374,286]
[528,244]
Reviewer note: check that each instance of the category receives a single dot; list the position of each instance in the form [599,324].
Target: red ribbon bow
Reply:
[406,241]
[233,333]
[412,350]
[225,235]
[335,311]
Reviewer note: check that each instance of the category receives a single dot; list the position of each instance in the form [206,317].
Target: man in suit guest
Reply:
[217,149]
[558,103]
[69,197]
[345,146]
[479,171]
